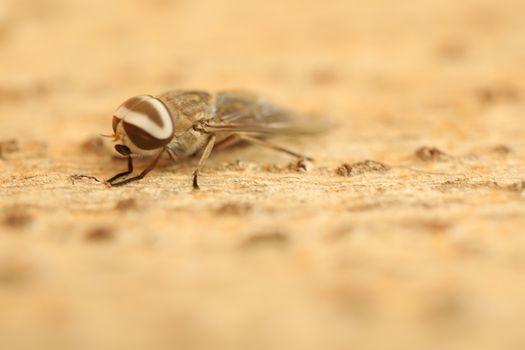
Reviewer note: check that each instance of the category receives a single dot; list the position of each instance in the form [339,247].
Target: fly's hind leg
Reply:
[227,142]
[205,154]
[268,144]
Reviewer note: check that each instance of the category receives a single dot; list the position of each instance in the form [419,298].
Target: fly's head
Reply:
[142,125]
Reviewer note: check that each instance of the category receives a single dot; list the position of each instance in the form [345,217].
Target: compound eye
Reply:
[115,123]
[142,138]
[147,122]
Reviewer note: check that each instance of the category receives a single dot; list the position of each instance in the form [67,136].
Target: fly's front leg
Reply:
[124,173]
[273,146]
[205,154]
[141,175]
[125,151]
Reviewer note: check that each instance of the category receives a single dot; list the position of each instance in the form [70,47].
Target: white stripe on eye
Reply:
[144,121]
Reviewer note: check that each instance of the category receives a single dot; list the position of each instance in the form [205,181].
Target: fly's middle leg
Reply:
[205,154]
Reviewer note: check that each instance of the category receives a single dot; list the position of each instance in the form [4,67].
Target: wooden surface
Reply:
[406,232]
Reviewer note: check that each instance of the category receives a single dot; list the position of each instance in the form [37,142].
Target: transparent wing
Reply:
[237,111]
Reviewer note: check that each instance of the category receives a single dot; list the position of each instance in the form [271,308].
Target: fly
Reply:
[185,123]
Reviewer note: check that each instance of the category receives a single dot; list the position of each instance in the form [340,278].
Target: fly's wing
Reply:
[248,113]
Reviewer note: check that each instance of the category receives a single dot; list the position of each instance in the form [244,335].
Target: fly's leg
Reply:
[124,173]
[273,146]
[172,155]
[125,151]
[139,176]
[227,142]
[204,157]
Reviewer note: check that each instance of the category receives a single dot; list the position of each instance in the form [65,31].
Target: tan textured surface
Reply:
[266,256]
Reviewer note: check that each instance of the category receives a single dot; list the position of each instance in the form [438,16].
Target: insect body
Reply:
[185,123]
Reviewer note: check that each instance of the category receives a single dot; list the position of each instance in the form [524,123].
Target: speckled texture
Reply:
[405,233]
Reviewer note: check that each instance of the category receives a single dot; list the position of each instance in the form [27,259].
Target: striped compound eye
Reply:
[146,121]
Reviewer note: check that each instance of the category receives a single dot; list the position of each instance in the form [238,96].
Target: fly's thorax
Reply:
[188,107]
[144,124]
[188,143]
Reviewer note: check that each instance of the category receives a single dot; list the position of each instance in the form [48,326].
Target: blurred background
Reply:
[340,57]
[393,261]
